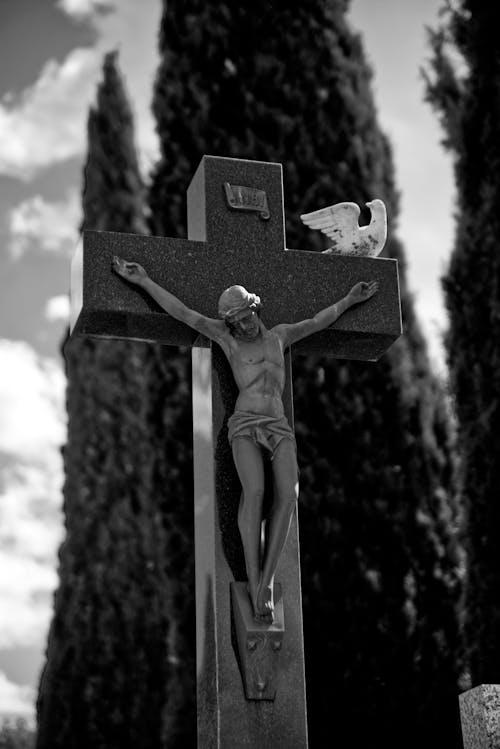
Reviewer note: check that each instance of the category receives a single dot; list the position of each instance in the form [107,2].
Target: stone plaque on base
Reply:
[259,644]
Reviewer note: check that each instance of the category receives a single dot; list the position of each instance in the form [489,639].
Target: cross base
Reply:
[259,644]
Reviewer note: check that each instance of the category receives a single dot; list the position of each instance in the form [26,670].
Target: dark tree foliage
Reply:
[288,82]
[463,84]
[113,189]
[111,648]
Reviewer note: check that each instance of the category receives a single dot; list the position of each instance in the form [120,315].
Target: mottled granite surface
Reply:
[480,717]
[226,718]
[227,247]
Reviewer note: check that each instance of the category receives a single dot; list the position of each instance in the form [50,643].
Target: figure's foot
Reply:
[264,610]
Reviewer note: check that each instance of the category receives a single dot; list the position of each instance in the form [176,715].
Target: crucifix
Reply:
[251,686]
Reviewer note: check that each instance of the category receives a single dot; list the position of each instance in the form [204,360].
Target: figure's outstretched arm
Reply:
[136,274]
[293,332]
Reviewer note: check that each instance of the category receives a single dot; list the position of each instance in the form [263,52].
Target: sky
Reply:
[52,53]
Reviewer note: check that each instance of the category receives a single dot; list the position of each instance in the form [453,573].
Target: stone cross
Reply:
[246,697]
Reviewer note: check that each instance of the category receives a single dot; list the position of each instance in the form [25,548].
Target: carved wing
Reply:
[339,221]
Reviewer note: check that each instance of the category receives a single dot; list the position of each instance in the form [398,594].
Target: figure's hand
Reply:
[362,291]
[132,272]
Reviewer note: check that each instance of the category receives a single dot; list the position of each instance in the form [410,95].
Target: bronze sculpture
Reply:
[256,358]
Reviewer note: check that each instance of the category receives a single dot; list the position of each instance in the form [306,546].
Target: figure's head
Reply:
[240,311]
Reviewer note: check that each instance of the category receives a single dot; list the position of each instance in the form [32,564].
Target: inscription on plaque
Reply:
[241,198]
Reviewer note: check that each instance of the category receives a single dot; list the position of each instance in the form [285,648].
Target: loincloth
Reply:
[265,431]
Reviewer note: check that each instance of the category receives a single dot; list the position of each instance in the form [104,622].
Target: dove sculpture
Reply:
[340,223]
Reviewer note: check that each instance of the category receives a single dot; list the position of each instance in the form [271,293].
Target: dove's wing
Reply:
[336,221]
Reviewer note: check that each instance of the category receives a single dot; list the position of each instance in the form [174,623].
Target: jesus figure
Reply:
[258,425]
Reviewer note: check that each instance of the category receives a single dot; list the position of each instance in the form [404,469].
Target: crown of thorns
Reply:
[235,301]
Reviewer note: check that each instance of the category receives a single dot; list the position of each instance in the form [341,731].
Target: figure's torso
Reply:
[259,371]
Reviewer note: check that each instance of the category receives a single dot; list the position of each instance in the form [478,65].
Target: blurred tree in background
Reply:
[16,735]
[112,647]
[287,82]
[463,84]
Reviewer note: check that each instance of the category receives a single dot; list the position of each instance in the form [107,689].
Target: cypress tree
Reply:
[111,648]
[463,84]
[288,82]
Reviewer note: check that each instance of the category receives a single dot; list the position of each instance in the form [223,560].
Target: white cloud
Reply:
[57,308]
[32,429]
[37,223]
[47,124]
[16,700]
[31,401]
[26,601]
[30,511]
[82,8]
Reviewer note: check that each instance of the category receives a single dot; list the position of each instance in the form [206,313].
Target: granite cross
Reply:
[236,236]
